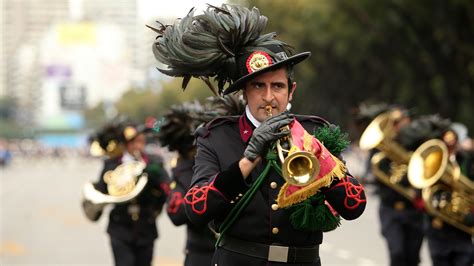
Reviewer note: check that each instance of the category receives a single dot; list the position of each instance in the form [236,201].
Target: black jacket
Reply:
[150,202]
[218,184]
[199,238]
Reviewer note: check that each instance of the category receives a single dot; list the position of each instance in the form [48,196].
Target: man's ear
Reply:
[292,90]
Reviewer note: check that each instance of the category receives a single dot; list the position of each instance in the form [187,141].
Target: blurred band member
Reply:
[132,222]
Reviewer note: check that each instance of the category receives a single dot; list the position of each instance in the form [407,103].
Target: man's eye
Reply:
[278,86]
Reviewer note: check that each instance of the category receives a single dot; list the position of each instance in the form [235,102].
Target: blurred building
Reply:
[23,24]
[40,49]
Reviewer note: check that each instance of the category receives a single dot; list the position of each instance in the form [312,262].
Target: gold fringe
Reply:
[337,172]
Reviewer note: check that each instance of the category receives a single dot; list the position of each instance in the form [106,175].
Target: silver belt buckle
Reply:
[278,253]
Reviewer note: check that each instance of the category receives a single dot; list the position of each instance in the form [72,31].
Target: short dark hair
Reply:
[290,74]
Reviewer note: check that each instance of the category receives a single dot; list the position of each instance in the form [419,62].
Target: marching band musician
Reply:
[132,221]
[176,133]
[448,245]
[266,211]
[400,215]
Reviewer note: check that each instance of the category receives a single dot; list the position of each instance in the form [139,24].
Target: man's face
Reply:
[268,89]
[137,144]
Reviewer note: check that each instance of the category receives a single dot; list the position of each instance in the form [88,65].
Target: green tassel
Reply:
[332,138]
[313,215]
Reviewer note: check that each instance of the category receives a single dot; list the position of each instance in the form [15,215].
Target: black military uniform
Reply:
[199,239]
[132,224]
[449,245]
[218,185]
[261,219]
[401,216]
[401,223]
[176,133]
[401,219]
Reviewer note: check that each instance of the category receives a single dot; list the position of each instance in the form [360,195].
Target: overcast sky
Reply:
[156,9]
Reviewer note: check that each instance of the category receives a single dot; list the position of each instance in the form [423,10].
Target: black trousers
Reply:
[130,253]
[451,252]
[403,232]
[194,258]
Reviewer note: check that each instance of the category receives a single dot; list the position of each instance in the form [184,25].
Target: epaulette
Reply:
[205,130]
[312,118]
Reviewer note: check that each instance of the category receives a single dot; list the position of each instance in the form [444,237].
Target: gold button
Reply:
[275,230]
[399,206]
[275,207]
[273,185]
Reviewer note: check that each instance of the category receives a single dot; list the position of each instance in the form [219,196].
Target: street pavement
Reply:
[42,222]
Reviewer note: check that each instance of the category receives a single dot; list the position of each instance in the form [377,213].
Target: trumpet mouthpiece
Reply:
[268,109]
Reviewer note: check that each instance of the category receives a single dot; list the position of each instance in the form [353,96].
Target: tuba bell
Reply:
[447,193]
[299,168]
[124,183]
[380,134]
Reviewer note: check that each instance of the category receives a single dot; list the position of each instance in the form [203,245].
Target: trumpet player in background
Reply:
[136,184]
[447,182]
[267,211]
[401,206]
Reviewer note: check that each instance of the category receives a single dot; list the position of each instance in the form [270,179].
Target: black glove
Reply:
[268,132]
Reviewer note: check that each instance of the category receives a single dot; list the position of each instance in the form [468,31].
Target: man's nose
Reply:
[268,94]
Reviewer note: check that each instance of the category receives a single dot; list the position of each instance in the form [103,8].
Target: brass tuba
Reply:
[124,183]
[447,193]
[379,135]
[299,168]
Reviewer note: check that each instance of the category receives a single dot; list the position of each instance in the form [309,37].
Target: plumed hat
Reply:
[422,129]
[107,140]
[177,126]
[225,43]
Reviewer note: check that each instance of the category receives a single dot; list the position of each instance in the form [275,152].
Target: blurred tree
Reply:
[7,107]
[416,53]
[9,128]
[95,116]
[138,104]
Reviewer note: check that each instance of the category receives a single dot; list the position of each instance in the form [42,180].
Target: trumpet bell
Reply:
[427,164]
[300,168]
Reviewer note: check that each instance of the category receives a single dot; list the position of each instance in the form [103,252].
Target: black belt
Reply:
[271,252]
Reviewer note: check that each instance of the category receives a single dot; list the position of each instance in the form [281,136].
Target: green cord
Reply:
[247,197]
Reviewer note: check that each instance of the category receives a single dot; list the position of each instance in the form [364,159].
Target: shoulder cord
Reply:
[271,157]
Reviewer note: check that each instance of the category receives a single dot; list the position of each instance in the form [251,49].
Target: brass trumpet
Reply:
[299,168]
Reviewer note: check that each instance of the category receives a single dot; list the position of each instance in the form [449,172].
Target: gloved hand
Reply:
[268,132]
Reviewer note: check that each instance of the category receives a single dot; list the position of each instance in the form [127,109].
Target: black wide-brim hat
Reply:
[261,60]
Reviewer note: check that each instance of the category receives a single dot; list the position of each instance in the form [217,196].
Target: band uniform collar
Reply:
[246,125]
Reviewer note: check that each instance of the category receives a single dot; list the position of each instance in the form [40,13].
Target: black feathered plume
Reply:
[231,104]
[422,129]
[108,140]
[206,46]
[178,125]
